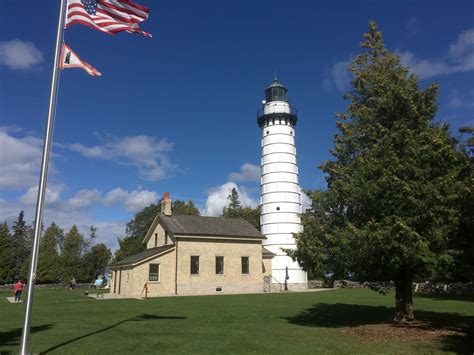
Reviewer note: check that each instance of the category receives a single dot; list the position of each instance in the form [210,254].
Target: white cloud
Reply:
[19,160]
[19,55]
[217,199]
[458,59]
[84,198]
[149,156]
[338,76]
[248,172]
[133,201]
[425,68]
[137,200]
[461,100]
[457,102]
[10,129]
[114,196]
[52,195]
[463,49]
[77,210]
[305,201]
[66,216]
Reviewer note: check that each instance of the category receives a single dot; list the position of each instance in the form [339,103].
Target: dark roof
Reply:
[209,226]
[136,258]
[266,252]
[275,84]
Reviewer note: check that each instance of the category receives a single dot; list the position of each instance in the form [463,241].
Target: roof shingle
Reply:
[212,226]
[136,258]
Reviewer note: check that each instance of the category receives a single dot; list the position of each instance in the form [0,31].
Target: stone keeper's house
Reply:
[194,255]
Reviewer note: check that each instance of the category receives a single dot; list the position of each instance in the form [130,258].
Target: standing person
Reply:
[73,283]
[98,286]
[18,288]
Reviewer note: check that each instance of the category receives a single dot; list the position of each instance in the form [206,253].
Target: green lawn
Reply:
[65,321]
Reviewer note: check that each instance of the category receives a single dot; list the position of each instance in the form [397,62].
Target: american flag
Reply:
[109,16]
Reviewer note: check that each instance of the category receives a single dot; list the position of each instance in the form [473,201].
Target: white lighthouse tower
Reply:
[280,199]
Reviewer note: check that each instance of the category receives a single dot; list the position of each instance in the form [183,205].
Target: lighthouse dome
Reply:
[276,91]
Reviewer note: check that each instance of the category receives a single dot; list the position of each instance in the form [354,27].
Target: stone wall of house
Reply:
[121,281]
[161,238]
[166,283]
[133,279]
[207,281]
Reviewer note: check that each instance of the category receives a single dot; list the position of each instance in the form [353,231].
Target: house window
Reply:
[245,265]
[166,237]
[194,265]
[219,265]
[154,274]
[156,239]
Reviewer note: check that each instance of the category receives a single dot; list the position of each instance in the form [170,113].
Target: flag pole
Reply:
[42,184]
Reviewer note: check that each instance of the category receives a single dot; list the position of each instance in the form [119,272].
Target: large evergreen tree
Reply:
[463,267]
[394,184]
[138,226]
[49,262]
[22,237]
[72,256]
[233,209]
[6,255]
[96,260]
[322,249]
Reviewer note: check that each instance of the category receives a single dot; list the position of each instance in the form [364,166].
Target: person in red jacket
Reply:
[18,288]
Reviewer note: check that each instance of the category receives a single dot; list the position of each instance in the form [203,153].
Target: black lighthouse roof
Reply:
[276,91]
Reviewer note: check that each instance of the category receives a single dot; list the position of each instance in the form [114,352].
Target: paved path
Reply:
[112,296]
[115,296]
[12,300]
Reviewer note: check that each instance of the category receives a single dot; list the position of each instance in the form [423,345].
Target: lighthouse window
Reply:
[278,94]
[278,208]
[291,132]
[268,132]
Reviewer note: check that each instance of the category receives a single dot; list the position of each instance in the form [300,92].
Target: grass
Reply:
[66,321]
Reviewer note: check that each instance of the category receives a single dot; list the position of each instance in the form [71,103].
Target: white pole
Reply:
[42,184]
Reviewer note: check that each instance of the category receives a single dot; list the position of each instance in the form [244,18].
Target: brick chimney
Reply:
[166,204]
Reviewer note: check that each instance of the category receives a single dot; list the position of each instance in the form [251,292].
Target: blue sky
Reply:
[177,112]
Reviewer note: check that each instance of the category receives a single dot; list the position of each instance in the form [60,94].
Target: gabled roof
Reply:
[140,257]
[267,254]
[208,226]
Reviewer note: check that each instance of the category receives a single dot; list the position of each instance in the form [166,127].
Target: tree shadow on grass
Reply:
[447,296]
[12,337]
[340,315]
[138,318]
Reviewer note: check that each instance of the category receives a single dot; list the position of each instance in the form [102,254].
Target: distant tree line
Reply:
[139,225]
[61,256]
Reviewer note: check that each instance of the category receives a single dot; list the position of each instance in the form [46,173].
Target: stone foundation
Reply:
[298,287]
[216,289]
